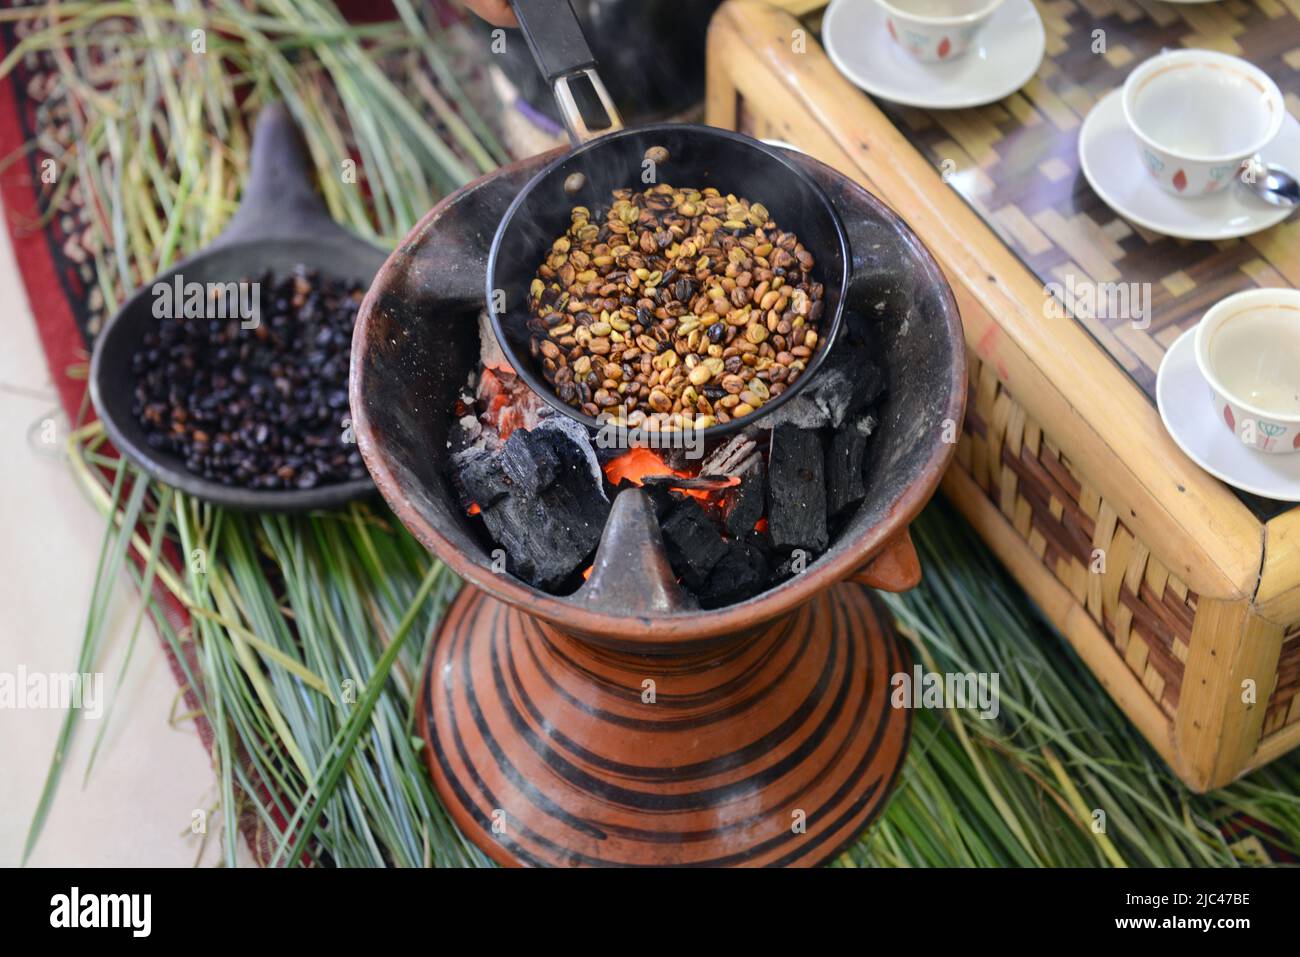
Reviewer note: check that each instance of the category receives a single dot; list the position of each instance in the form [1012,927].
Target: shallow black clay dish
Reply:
[281,223]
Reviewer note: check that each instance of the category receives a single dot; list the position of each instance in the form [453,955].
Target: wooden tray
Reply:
[1180,594]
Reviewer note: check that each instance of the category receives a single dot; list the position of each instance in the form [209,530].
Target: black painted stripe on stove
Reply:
[565,855]
[628,722]
[679,773]
[657,669]
[662,837]
[648,800]
[463,797]
[858,806]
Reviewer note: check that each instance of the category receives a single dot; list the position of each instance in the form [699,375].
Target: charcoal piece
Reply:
[741,573]
[574,443]
[530,460]
[679,457]
[700,483]
[743,506]
[732,456]
[740,458]
[549,520]
[546,539]
[662,497]
[481,477]
[784,569]
[796,490]
[845,477]
[692,541]
[868,379]
[849,381]
[465,434]
[466,430]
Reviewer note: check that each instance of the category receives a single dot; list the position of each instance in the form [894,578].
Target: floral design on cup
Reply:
[1220,176]
[936,31]
[1248,351]
[1260,433]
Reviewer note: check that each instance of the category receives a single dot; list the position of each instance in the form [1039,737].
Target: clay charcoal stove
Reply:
[533,698]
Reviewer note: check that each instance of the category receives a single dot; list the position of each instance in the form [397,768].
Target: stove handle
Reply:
[558,45]
[894,568]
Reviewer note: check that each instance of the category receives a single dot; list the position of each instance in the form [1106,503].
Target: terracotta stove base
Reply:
[774,750]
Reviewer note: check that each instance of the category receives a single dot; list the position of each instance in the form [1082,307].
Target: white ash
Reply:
[731,458]
[471,428]
[490,353]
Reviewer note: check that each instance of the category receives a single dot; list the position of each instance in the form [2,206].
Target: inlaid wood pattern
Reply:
[1016,163]
[777,749]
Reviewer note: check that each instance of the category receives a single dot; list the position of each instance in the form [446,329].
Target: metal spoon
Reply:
[1273,184]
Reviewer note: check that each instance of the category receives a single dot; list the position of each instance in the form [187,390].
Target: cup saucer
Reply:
[1184,399]
[1111,164]
[1004,57]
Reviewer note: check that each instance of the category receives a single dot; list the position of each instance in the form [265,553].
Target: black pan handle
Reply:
[558,45]
[280,197]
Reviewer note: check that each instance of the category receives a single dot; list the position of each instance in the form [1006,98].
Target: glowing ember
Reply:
[640,463]
[506,402]
[496,397]
[587,574]
[636,464]
[473,509]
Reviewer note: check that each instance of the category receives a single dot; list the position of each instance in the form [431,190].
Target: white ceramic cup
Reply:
[936,31]
[1248,350]
[1199,117]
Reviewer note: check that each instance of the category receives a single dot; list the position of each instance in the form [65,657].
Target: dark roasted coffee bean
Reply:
[243,406]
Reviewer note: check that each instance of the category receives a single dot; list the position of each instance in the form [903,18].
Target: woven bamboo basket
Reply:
[1181,596]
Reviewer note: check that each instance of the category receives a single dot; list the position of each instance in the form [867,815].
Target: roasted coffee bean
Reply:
[259,407]
[674,300]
